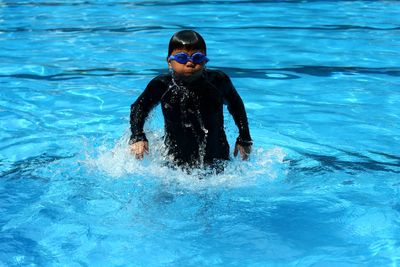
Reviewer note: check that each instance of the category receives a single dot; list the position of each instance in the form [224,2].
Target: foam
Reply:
[264,166]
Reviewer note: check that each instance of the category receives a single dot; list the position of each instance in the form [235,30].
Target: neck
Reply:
[187,80]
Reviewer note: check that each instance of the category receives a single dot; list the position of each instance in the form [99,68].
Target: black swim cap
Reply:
[187,39]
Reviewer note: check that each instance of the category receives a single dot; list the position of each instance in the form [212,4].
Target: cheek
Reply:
[177,67]
[199,67]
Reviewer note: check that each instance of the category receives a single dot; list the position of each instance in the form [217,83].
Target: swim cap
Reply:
[187,39]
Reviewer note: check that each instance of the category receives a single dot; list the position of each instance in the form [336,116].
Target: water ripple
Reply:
[329,163]
[312,70]
[26,166]
[160,3]
[265,73]
[177,27]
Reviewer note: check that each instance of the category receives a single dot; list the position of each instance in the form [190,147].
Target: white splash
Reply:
[264,166]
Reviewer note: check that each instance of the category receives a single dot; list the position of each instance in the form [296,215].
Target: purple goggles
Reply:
[183,58]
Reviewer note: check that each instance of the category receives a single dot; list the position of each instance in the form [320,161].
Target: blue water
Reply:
[320,81]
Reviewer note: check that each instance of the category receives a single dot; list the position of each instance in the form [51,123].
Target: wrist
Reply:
[240,141]
[137,138]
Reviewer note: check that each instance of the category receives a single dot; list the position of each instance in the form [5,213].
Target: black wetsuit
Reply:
[193,115]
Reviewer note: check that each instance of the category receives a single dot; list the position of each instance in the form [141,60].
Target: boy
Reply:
[192,101]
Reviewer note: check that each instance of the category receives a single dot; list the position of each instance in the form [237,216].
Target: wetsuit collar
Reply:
[188,80]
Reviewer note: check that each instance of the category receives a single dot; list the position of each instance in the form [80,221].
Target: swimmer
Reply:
[192,99]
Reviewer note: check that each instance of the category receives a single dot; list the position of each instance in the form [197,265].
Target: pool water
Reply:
[320,81]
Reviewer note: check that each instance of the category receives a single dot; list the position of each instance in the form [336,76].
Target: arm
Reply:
[237,110]
[140,110]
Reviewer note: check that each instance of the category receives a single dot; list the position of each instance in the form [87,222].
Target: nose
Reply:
[190,64]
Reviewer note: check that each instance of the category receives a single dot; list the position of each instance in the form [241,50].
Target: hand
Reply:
[139,148]
[244,151]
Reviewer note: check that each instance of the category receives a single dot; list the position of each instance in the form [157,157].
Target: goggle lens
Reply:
[183,58]
[198,58]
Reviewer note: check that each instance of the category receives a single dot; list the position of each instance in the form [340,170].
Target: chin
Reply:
[193,73]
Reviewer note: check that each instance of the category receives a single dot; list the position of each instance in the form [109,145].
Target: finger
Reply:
[139,156]
[244,153]
[137,151]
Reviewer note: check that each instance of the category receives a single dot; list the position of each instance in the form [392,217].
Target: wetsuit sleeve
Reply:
[237,110]
[141,108]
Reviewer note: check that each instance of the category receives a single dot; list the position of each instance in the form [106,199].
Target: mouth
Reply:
[191,72]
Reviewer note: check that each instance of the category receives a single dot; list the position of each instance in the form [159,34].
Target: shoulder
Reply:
[160,80]
[156,87]
[220,79]
[217,75]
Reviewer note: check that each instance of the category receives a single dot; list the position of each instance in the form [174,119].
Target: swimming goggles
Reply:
[183,58]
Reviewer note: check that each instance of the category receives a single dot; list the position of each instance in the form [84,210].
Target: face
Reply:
[187,69]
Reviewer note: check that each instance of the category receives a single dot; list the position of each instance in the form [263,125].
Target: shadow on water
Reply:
[329,163]
[22,251]
[285,217]
[22,186]
[25,168]
[319,71]
[265,73]
[177,27]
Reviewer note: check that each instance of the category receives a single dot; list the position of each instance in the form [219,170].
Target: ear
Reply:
[169,65]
